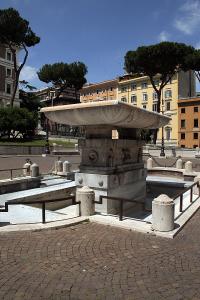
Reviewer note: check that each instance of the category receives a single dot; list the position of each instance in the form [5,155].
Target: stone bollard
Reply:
[173,152]
[163,213]
[27,172]
[35,170]
[86,197]
[179,164]
[149,163]
[58,166]
[76,147]
[197,155]
[196,189]
[188,167]
[66,167]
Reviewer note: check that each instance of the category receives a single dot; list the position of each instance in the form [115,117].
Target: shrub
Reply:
[17,122]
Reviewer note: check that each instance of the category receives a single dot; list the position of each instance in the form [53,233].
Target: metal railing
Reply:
[121,203]
[11,171]
[42,202]
[190,188]
[165,162]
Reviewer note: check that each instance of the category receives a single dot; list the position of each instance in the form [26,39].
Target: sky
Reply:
[99,33]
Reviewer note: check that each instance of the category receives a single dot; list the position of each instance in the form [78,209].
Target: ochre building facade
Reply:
[7,77]
[189,122]
[138,91]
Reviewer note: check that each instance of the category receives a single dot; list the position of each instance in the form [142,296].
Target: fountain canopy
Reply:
[107,113]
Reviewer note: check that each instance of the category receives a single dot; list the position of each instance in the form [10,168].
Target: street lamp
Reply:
[47,150]
[162,152]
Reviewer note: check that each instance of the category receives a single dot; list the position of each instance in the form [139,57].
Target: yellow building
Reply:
[105,90]
[138,91]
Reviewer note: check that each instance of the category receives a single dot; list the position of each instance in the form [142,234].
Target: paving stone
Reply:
[93,261]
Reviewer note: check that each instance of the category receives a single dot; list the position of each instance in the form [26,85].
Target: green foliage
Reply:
[165,59]
[62,75]
[161,60]
[29,101]
[15,30]
[16,33]
[16,122]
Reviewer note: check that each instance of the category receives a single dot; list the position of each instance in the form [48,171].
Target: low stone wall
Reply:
[19,184]
[22,150]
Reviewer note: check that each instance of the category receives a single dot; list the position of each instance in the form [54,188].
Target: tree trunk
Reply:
[155,135]
[16,82]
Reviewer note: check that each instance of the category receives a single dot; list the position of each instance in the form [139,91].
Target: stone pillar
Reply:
[58,166]
[163,213]
[195,188]
[26,172]
[188,167]
[35,170]
[197,155]
[86,196]
[149,163]
[179,164]
[66,167]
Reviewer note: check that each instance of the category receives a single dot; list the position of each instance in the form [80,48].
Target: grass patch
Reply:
[66,143]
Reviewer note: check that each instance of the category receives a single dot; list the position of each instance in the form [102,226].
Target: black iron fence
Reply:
[121,203]
[43,204]
[190,188]
[11,171]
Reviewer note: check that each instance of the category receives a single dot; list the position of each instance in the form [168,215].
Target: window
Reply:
[154,107]
[168,133]
[144,106]
[97,91]
[123,89]
[182,123]
[8,55]
[144,85]
[168,105]
[183,110]
[8,88]
[8,72]
[195,146]
[156,82]
[123,99]
[144,97]
[133,98]
[168,94]
[182,136]
[155,96]
[111,89]
[195,135]
[196,109]
[182,146]
[196,123]
[133,87]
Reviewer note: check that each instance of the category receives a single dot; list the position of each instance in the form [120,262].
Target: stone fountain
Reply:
[111,167]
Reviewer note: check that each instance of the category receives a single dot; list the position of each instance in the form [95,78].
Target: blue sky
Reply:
[100,32]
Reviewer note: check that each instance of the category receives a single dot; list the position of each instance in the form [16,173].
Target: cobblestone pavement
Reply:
[92,261]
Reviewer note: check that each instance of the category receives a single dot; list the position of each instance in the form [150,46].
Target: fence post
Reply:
[35,170]
[121,210]
[149,163]
[86,196]
[43,213]
[163,213]
[179,164]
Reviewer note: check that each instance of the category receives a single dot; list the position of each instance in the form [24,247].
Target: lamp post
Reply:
[162,152]
[47,150]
